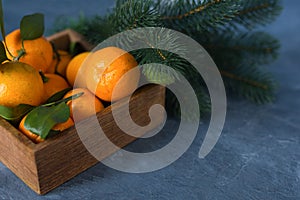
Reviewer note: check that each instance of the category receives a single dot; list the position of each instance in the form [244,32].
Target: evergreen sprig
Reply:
[139,14]
[197,15]
[255,48]
[251,83]
[225,28]
[256,13]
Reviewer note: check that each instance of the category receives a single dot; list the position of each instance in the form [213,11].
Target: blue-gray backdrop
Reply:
[257,156]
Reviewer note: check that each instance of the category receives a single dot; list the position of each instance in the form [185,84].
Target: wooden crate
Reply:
[47,165]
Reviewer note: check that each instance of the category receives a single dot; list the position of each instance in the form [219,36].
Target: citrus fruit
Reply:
[36,138]
[106,68]
[33,137]
[38,52]
[59,64]
[63,126]
[84,106]
[54,83]
[20,84]
[73,70]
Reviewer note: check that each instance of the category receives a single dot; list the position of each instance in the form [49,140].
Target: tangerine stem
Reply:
[21,53]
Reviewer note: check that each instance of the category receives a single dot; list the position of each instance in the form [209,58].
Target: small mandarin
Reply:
[110,67]
[36,138]
[38,52]
[33,137]
[73,71]
[84,106]
[20,84]
[59,65]
[55,83]
[63,126]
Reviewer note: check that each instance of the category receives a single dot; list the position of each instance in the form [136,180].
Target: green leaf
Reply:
[3,56]
[2,21]
[64,100]
[58,96]
[15,113]
[32,26]
[41,119]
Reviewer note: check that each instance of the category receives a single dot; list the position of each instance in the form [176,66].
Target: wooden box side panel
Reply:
[62,40]
[61,158]
[17,153]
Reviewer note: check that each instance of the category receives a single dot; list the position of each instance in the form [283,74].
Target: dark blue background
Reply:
[257,156]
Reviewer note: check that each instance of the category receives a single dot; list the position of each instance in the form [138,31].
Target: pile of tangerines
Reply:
[34,72]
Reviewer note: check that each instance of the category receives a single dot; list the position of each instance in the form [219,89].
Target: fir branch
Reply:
[174,109]
[155,68]
[132,14]
[256,48]
[216,24]
[250,83]
[141,14]
[197,15]
[192,11]
[244,80]
[159,74]
[257,12]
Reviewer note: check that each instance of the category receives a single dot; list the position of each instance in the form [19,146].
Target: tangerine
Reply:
[73,70]
[38,52]
[20,84]
[84,106]
[36,138]
[60,64]
[107,68]
[54,83]
[63,126]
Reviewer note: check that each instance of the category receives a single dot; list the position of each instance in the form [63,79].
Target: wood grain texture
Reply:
[17,153]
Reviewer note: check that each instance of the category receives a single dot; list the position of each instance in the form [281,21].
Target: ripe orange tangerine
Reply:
[106,68]
[59,64]
[74,70]
[33,137]
[55,83]
[38,52]
[63,126]
[20,84]
[84,106]
[36,138]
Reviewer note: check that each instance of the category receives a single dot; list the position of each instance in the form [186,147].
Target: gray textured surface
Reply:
[257,156]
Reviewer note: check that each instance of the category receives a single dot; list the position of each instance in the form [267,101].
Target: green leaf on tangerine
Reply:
[58,96]
[42,119]
[64,100]
[32,26]
[15,113]
[3,56]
